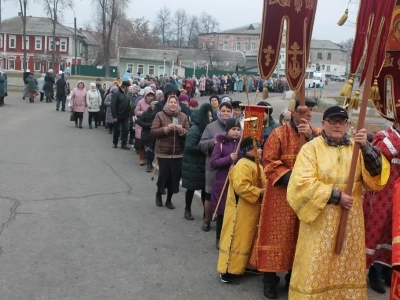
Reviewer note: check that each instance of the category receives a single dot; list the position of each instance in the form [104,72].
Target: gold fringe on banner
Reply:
[374,95]
[265,93]
[296,95]
[347,88]
[353,104]
[343,19]
[292,105]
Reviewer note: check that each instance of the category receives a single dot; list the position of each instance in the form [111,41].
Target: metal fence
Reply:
[95,71]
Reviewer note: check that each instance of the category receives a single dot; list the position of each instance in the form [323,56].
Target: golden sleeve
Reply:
[243,180]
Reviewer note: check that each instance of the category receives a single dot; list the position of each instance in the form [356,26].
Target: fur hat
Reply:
[194,102]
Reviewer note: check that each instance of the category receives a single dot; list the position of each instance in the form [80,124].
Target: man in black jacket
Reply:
[48,87]
[120,110]
[61,95]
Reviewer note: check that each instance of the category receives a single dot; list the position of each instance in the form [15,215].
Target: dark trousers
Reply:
[379,271]
[123,123]
[61,99]
[220,221]
[41,96]
[78,116]
[93,115]
[110,127]
[149,157]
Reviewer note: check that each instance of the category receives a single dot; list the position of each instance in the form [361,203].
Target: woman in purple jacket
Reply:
[222,158]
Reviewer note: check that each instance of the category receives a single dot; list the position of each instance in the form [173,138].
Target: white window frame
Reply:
[139,66]
[129,67]
[63,40]
[10,38]
[27,42]
[329,56]
[246,46]
[253,46]
[1,41]
[8,63]
[38,38]
[154,70]
[237,46]
[225,46]
[161,70]
[50,44]
[40,65]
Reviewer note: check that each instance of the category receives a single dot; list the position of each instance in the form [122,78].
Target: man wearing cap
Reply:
[278,228]
[120,110]
[316,194]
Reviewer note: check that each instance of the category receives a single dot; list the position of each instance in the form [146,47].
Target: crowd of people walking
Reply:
[276,199]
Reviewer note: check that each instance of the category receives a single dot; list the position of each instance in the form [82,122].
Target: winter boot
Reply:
[80,123]
[158,199]
[142,157]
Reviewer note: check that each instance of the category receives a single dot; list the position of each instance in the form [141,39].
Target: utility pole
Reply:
[75,41]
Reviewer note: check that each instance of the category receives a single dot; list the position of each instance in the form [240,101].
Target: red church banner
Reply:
[299,16]
[254,111]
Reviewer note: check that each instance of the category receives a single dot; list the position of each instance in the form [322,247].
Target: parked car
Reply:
[334,78]
[341,79]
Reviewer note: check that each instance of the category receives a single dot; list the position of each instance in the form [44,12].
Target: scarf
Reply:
[171,113]
[220,118]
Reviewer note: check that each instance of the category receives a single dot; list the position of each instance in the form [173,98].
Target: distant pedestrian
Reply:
[78,102]
[3,87]
[25,76]
[62,92]
[48,87]
[107,103]
[41,85]
[120,109]
[32,87]
[93,102]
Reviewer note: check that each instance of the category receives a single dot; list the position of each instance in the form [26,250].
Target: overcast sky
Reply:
[230,14]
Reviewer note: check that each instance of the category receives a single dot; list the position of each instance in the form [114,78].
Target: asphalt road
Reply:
[78,220]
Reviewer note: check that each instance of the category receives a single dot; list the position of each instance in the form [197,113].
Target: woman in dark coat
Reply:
[147,140]
[194,160]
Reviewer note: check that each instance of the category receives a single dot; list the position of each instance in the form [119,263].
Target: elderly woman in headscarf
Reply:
[107,103]
[41,85]
[78,102]
[169,128]
[93,101]
[141,107]
[206,145]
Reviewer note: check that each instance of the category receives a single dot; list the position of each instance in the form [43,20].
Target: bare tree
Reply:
[180,23]
[208,23]
[163,23]
[192,31]
[109,11]
[53,9]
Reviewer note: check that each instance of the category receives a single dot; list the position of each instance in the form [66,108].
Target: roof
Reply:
[90,38]
[147,54]
[325,44]
[35,25]
[253,28]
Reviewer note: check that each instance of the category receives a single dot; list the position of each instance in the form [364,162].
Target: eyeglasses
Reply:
[334,122]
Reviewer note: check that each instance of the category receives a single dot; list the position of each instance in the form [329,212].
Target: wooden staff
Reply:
[255,98]
[302,109]
[356,149]
[154,171]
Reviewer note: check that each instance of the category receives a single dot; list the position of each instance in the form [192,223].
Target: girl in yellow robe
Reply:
[242,211]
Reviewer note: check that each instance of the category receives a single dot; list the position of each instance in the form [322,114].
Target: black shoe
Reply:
[217,243]
[130,142]
[253,271]
[23,98]
[377,286]
[188,215]
[95,126]
[206,226]
[56,109]
[158,200]
[114,145]
[270,292]
[148,169]
[226,278]
[76,125]
[61,110]
[125,147]
[169,205]
[90,126]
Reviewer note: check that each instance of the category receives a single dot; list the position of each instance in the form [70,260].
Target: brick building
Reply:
[39,43]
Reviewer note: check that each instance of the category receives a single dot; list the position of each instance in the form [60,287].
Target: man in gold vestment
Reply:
[278,228]
[316,194]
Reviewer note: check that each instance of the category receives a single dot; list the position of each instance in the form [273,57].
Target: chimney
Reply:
[80,30]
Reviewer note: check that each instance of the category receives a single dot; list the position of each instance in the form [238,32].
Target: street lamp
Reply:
[74,39]
[194,66]
[165,57]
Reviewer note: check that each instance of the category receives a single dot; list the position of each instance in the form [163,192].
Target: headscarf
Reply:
[113,89]
[169,112]
[227,104]
[92,84]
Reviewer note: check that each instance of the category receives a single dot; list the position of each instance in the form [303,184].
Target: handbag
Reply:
[72,117]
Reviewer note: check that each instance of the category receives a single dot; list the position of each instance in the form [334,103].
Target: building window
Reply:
[160,70]
[129,67]
[204,45]
[49,65]
[37,65]
[63,45]
[11,64]
[245,46]
[12,43]
[1,41]
[253,46]
[225,46]
[212,45]
[27,42]
[237,46]
[140,69]
[329,56]
[328,68]
[151,70]
[38,43]
[319,55]
[50,43]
